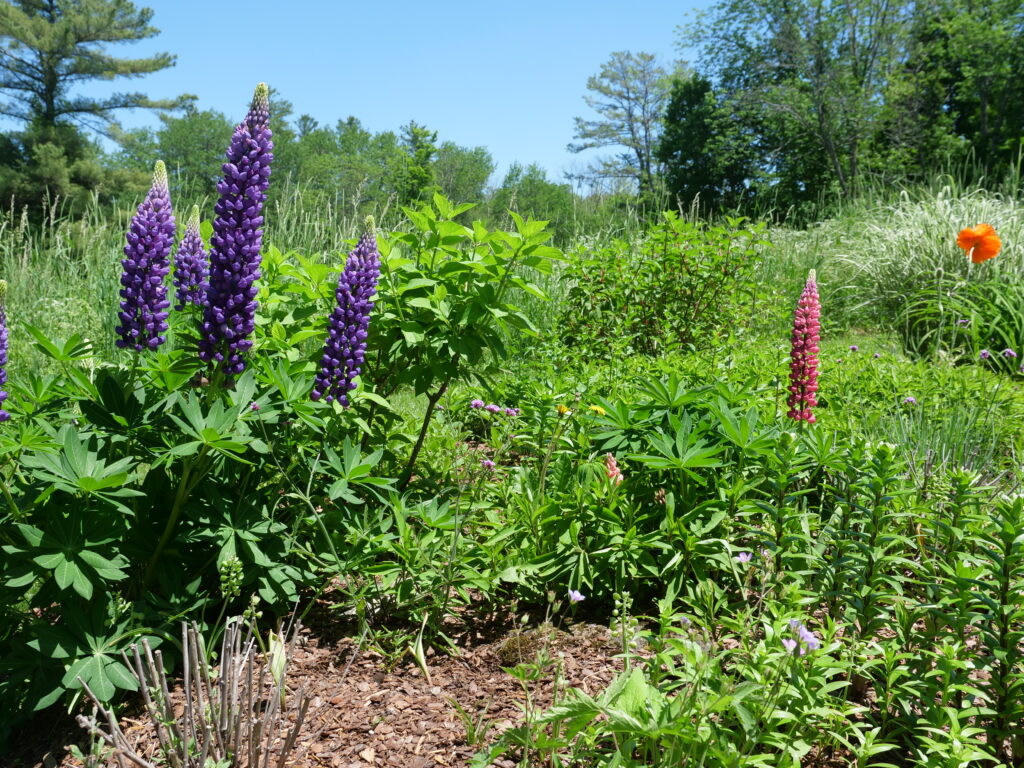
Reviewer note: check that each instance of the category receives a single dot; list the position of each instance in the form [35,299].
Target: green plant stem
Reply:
[179,503]
[8,497]
[431,404]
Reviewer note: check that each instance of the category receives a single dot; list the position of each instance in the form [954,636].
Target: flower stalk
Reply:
[803,365]
[145,265]
[229,313]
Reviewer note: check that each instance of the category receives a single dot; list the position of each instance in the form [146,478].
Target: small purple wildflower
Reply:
[910,400]
[963,322]
[476,404]
[854,348]
[744,557]
[345,347]
[575,596]
[808,638]
[191,265]
[254,406]
[511,411]
[492,408]
[877,355]
[984,354]
[146,263]
[488,464]
[805,639]
[1009,354]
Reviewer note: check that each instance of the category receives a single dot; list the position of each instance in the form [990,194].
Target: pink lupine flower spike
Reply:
[803,366]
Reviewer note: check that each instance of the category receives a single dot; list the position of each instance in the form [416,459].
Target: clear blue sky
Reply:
[508,76]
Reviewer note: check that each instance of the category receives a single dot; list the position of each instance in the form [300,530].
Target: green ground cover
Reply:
[785,593]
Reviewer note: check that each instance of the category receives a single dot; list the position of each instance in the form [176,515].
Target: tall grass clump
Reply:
[62,274]
[910,246]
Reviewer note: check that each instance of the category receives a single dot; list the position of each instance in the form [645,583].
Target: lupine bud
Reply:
[4,415]
[345,348]
[146,263]
[191,267]
[611,469]
[229,314]
[803,365]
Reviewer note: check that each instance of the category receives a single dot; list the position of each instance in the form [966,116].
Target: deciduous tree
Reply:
[629,94]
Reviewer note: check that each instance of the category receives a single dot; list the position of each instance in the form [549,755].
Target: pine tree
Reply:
[49,46]
[47,49]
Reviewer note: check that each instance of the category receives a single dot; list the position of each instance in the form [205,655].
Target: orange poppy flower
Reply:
[980,243]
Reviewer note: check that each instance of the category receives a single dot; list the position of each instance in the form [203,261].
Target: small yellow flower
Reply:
[563,410]
[598,410]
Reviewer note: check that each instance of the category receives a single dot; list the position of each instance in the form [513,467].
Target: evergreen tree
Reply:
[629,94]
[417,180]
[47,48]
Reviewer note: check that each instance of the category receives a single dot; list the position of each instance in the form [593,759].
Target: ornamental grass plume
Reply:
[229,313]
[146,263]
[191,266]
[345,348]
[803,366]
[4,415]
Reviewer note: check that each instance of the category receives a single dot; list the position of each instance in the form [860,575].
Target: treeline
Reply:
[355,170]
[791,107]
[798,102]
[345,167]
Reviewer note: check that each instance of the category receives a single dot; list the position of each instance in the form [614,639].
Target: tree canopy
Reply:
[629,93]
[47,47]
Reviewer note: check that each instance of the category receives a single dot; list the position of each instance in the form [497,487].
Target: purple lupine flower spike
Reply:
[144,301]
[4,415]
[191,267]
[229,313]
[345,348]
[803,366]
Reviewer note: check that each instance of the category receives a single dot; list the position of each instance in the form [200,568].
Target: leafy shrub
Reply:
[114,471]
[684,285]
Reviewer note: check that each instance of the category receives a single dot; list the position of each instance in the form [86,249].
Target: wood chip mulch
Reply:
[363,714]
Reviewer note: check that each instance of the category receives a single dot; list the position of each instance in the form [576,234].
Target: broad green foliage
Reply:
[684,285]
[491,461]
[128,488]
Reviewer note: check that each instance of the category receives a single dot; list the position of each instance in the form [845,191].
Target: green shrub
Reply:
[684,285]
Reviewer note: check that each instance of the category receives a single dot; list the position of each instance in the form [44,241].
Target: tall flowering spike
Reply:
[803,364]
[4,415]
[191,267]
[345,348]
[229,313]
[146,263]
